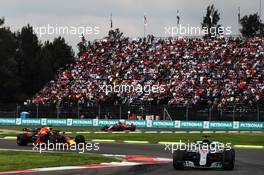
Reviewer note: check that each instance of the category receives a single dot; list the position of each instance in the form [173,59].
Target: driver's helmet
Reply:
[206,140]
[25,129]
[44,130]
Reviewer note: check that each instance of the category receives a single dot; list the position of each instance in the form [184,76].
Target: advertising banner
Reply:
[191,124]
[251,125]
[220,125]
[7,121]
[106,122]
[30,121]
[82,122]
[56,122]
[139,123]
[162,124]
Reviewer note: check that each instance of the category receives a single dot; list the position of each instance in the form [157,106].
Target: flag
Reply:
[111,21]
[145,20]
[178,17]
[211,15]
[239,15]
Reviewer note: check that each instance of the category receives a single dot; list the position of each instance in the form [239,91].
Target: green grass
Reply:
[234,138]
[14,160]
[61,128]
[5,135]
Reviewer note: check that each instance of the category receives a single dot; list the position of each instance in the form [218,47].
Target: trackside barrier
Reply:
[138,123]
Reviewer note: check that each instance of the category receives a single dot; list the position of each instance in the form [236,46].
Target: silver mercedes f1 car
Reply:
[205,154]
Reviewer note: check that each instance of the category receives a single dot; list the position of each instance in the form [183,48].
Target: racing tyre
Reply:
[79,139]
[133,128]
[54,139]
[22,140]
[229,159]
[105,128]
[178,163]
[119,128]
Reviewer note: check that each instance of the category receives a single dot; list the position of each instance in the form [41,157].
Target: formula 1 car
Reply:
[214,155]
[120,126]
[45,134]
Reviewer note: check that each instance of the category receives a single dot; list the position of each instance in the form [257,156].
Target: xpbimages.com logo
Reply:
[182,30]
[213,147]
[132,88]
[80,147]
[66,30]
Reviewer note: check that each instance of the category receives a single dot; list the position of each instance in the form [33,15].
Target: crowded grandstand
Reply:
[193,71]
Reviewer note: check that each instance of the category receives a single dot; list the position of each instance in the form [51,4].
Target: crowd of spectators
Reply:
[192,71]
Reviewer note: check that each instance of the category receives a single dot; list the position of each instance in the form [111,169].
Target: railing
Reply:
[165,112]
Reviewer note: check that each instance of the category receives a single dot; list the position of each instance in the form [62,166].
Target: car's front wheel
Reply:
[54,139]
[178,161]
[228,159]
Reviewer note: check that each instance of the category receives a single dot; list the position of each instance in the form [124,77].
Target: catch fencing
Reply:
[164,112]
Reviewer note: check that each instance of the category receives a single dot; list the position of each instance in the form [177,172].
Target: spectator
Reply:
[193,71]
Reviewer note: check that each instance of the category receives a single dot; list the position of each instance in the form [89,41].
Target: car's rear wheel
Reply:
[178,162]
[228,159]
[133,128]
[120,128]
[22,140]
[54,139]
[79,139]
[105,128]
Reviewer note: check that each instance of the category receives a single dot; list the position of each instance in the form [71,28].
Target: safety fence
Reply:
[238,112]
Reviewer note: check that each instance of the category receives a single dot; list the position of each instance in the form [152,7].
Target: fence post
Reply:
[78,110]
[58,110]
[17,108]
[234,108]
[163,113]
[187,112]
[120,112]
[142,110]
[99,111]
[210,113]
[37,106]
[258,111]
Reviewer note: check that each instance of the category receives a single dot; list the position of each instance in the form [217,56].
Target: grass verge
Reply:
[17,160]
[234,138]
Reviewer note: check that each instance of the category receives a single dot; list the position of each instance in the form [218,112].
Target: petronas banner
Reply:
[139,123]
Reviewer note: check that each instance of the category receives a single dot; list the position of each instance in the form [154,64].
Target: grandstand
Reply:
[224,74]
[193,71]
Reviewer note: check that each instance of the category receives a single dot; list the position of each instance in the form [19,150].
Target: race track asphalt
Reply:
[248,161]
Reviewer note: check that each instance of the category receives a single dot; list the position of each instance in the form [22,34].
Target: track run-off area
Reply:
[247,161]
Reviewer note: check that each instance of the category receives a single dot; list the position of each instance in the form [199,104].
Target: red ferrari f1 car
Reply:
[120,126]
